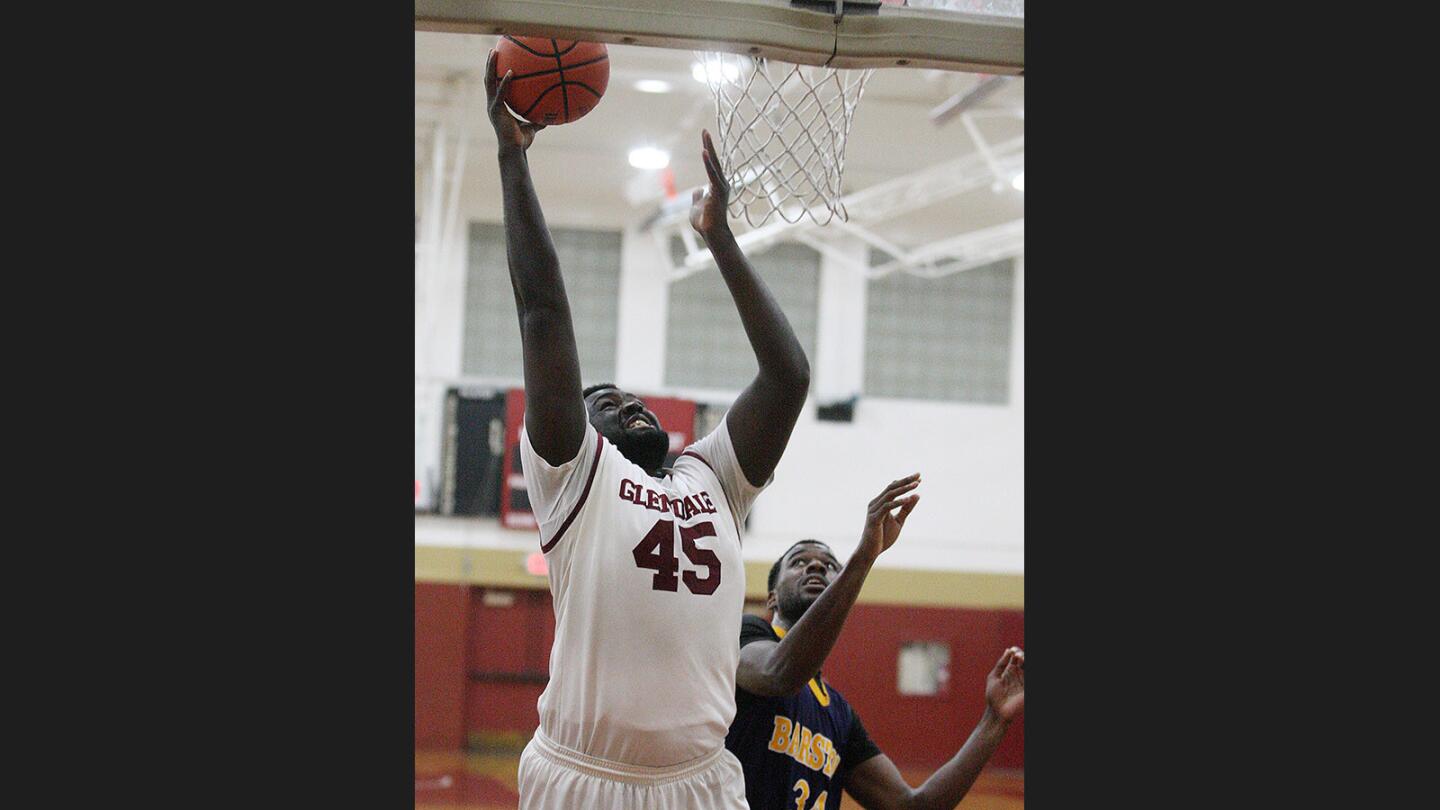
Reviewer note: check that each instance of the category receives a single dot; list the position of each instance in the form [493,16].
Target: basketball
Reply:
[555,81]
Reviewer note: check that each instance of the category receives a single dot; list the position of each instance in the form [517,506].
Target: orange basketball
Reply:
[556,81]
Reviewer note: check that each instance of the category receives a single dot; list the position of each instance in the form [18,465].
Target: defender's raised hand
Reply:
[510,130]
[707,206]
[882,522]
[1005,685]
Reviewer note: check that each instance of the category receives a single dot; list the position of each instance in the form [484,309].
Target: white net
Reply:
[780,130]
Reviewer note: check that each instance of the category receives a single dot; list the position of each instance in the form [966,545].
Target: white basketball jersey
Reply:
[648,586]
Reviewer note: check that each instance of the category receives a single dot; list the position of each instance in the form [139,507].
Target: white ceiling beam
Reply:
[983,147]
[962,102]
[959,253]
[881,202]
[923,188]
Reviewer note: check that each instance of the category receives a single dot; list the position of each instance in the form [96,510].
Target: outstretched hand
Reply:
[882,522]
[510,130]
[707,205]
[1005,685]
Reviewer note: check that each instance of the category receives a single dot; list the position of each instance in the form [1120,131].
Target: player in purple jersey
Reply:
[797,738]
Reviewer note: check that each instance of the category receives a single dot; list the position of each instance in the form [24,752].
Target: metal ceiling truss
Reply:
[442,153]
[870,207]
[968,100]
[957,254]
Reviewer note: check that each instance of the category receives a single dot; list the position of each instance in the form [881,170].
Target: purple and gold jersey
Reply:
[796,750]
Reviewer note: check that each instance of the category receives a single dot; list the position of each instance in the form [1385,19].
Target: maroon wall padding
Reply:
[440,619]
[924,731]
[508,660]
[508,647]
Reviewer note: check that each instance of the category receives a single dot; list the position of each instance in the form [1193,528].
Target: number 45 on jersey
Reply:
[656,552]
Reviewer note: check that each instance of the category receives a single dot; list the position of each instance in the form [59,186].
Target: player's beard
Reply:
[793,605]
[646,447]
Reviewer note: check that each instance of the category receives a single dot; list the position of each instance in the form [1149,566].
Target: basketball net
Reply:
[780,130]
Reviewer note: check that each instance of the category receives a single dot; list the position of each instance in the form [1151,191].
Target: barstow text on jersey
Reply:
[683,508]
[814,751]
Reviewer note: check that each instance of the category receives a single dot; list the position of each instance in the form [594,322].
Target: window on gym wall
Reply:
[945,338]
[590,262]
[923,668]
[705,344]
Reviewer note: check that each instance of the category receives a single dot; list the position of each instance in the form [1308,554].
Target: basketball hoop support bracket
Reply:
[887,36]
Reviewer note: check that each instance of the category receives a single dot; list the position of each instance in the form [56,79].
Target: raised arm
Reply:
[768,668]
[554,409]
[763,415]
[877,784]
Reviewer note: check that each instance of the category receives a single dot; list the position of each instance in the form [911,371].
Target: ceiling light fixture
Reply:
[652,86]
[1018,181]
[648,157]
[723,71]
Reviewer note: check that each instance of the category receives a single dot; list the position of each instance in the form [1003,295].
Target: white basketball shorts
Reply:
[553,777]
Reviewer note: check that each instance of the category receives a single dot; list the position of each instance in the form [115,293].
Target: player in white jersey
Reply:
[645,565]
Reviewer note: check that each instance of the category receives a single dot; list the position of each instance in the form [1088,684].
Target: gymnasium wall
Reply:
[481,655]
[925,731]
[971,456]
[971,460]
[956,576]
[441,616]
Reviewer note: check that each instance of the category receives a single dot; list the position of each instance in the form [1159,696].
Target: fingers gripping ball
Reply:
[555,81]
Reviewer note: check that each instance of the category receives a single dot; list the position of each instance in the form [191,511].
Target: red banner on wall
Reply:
[677,417]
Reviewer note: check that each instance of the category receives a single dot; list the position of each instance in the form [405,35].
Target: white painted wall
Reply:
[971,457]
[971,461]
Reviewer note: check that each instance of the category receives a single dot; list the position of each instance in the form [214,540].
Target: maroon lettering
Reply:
[683,508]
[706,585]
[656,552]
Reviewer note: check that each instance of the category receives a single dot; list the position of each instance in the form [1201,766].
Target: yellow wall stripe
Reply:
[893,586]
